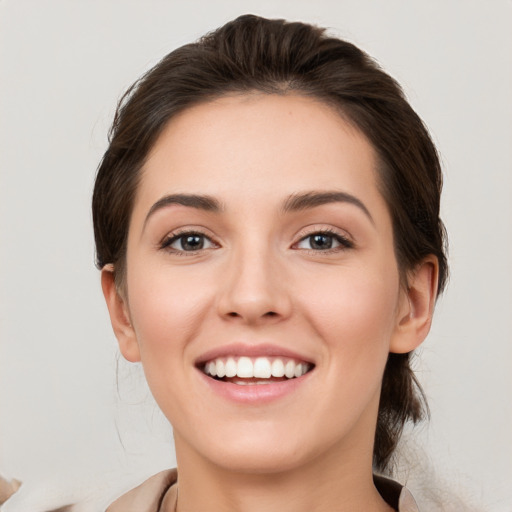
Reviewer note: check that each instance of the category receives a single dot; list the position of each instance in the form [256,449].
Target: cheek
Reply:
[355,313]
[166,309]
[355,319]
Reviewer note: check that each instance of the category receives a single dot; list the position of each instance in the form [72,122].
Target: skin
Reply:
[259,280]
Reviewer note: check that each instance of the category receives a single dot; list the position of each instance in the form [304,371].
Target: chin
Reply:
[259,452]
[259,463]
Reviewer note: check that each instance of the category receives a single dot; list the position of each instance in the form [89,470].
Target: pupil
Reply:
[321,242]
[192,242]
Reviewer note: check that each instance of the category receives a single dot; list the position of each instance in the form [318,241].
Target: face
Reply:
[260,248]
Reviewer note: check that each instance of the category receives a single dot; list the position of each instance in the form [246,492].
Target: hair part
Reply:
[253,54]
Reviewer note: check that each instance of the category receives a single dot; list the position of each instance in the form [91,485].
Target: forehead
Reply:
[253,144]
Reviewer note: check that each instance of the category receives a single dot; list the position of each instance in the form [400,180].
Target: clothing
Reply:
[160,494]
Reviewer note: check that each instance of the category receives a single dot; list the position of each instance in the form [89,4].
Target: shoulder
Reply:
[158,490]
[148,496]
[395,494]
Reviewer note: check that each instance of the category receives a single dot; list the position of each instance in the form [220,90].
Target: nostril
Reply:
[268,314]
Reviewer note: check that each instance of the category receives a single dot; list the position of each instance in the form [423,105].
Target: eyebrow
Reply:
[201,202]
[306,200]
[294,203]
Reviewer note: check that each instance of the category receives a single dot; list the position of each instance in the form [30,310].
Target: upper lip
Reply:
[256,350]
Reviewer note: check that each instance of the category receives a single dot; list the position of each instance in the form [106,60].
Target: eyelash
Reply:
[344,242]
[174,237]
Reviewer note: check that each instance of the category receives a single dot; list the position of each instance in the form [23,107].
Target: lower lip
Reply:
[254,393]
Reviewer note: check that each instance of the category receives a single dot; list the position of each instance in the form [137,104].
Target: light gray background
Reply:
[64,64]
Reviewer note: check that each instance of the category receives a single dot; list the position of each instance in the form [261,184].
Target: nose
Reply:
[254,289]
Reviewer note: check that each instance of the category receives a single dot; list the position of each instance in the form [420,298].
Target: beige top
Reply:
[160,494]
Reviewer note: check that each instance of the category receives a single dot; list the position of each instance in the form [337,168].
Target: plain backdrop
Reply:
[64,65]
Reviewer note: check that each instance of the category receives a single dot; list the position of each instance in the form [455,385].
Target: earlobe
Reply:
[119,316]
[416,307]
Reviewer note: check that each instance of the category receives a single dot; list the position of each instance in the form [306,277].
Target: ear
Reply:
[119,316]
[416,307]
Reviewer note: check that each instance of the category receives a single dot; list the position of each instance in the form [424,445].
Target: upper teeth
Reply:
[260,367]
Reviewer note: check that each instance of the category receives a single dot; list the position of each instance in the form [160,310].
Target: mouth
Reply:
[250,371]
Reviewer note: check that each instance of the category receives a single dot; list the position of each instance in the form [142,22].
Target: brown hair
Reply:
[277,57]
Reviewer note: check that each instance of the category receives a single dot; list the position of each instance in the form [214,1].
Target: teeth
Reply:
[277,368]
[245,368]
[231,367]
[289,370]
[241,382]
[259,368]
[221,369]
[262,368]
[298,370]
[211,369]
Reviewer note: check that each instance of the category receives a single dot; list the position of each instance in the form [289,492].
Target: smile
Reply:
[255,370]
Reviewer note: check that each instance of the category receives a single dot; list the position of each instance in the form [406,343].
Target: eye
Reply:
[187,242]
[324,241]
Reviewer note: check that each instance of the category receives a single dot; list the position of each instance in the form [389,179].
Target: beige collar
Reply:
[159,494]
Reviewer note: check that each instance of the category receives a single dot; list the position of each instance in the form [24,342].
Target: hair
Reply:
[277,57]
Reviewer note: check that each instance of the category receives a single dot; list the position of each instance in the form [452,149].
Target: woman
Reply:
[267,228]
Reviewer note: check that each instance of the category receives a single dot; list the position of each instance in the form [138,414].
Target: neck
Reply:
[340,482]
